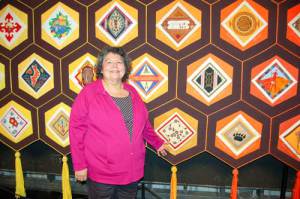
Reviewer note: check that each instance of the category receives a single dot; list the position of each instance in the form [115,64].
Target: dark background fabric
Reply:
[203,164]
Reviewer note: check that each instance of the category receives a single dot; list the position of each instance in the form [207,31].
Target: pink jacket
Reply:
[99,138]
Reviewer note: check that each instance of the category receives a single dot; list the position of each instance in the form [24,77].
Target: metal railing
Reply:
[51,182]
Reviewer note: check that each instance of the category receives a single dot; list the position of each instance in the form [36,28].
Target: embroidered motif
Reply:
[291,138]
[274,81]
[60,26]
[238,135]
[178,24]
[35,76]
[147,78]
[244,23]
[116,23]
[209,79]
[14,122]
[59,125]
[85,75]
[9,27]
[294,24]
[176,131]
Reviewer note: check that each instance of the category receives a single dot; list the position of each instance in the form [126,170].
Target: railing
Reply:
[51,182]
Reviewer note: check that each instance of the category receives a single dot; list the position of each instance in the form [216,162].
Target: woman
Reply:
[108,126]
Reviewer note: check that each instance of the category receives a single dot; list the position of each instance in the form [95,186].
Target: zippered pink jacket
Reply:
[99,138]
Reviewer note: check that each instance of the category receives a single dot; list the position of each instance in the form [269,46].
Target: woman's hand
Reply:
[162,151]
[81,175]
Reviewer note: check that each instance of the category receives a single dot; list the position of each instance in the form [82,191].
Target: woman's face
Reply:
[113,67]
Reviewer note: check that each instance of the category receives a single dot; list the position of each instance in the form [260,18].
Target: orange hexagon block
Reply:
[244,24]
[209,79]
[293,27]
[274,81]
[238,135]
[289,137]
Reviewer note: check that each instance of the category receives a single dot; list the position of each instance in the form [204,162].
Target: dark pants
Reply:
[107,191]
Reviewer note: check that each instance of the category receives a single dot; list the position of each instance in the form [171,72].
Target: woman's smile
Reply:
[113,67]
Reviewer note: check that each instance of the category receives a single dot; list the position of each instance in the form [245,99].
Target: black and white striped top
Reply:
[125,105]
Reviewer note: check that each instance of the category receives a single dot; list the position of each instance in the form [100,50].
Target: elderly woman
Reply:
[108,128]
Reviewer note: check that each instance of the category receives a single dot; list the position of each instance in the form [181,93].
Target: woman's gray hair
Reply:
[115,50]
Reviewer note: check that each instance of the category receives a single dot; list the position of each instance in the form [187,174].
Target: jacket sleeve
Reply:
[77,131]
[151,137]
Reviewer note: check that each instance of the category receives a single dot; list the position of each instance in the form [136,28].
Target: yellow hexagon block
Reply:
[178,24]
[78,68]
[178,129]
[15,122]
[149,76]
[14,27]
[60,25]
[2,76]
[35,75]
[57,124]
[116,23]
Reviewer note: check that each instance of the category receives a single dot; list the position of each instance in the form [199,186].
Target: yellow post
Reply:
[66,188]
[20,188]
[173,190]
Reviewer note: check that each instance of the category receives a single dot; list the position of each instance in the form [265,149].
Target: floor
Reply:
[7,193]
